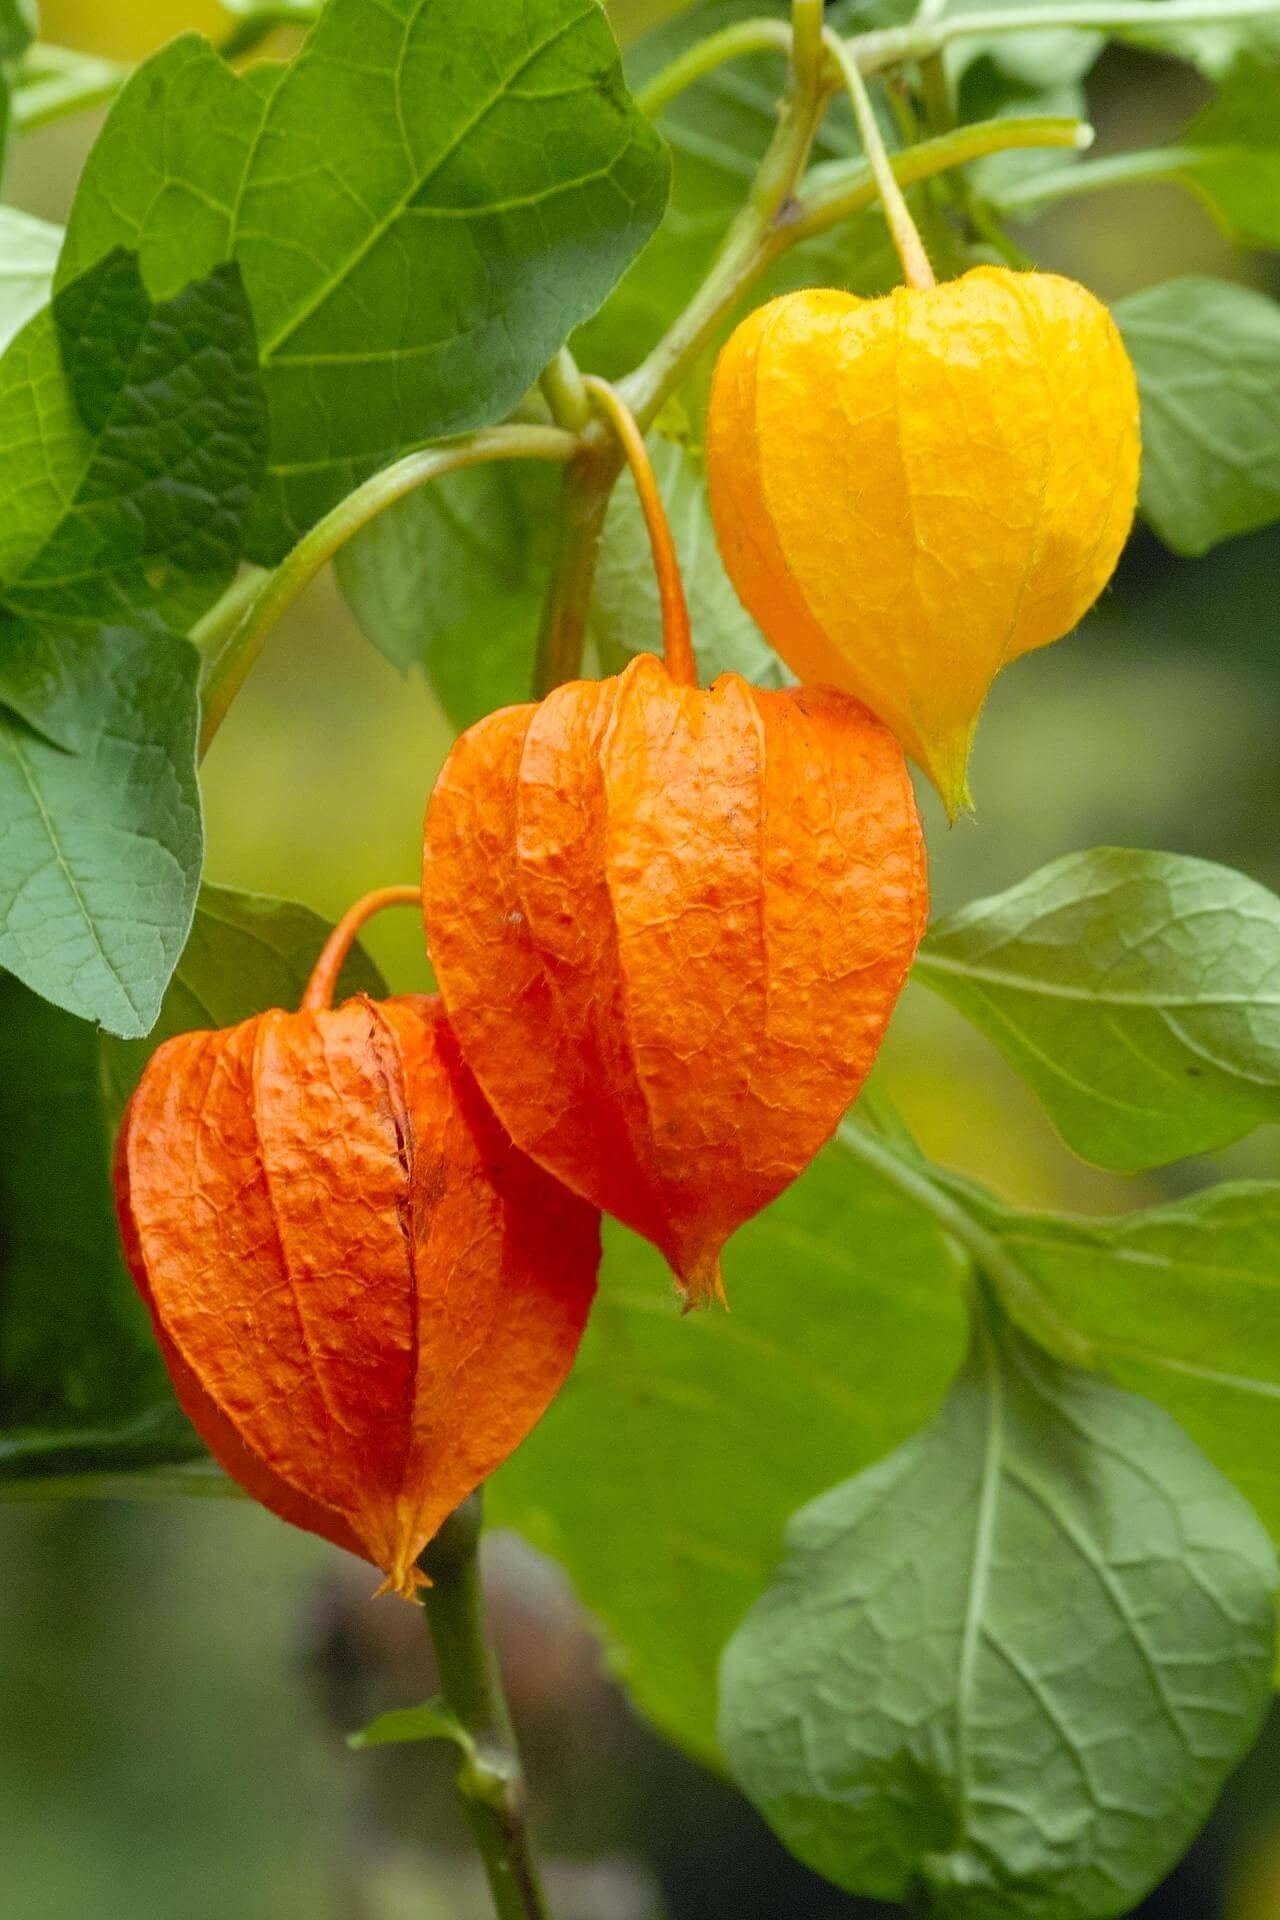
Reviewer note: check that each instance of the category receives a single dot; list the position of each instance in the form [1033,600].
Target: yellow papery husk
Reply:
[910,492]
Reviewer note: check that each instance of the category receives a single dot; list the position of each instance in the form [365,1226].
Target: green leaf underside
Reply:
[28,255]
[626,616]
[1181,1303]
[423,203]
[133,439]
[1207,357]
[663,1475]
[450,580]
[1010,1666]
[82,1385]
[1138,993]
[100,850]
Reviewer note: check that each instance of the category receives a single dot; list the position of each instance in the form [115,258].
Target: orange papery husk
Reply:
[670,926]
[365,1294]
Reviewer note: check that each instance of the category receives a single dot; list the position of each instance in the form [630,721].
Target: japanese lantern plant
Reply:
[670,899]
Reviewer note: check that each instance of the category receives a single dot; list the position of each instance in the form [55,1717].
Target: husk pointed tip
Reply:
[701,1284]
[946,762]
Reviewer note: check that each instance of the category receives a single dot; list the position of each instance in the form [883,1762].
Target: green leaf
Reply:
[81,1380]
[28,255]
[402,1725]
[662,1476]
[1215,46]
[132,445]
[1181,1303]
[1009,1668]
[82,1385]
[432,559]
[245,953]
[424,203]
[1207,356]
[1139,993]
[626,617]
[449,580]
[100,854]
[1231,155]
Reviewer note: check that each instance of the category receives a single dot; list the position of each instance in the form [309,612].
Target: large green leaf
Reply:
[626,616]
[1009,1668]
[423,203]
[1207,356]
[1181,1303]
[132,445]
[100,851]
[1139,993]
[28,255]
[81,1381]
[663,1475]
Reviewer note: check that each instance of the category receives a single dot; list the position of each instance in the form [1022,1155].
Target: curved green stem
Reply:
[731,43]
[891,46]
[916,270]
[837,192]
[565,394]
[230,650]
[490,1779]
[912,1178]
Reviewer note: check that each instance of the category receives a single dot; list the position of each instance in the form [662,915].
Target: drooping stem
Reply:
[677,640]
[916,270]
[333,954]
[231,650]
[491,1782]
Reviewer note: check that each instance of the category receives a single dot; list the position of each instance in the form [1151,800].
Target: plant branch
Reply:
[912,1178]
[891,46]
[748,246]
[230,648]
[731,43]
[490,1779]
[832,194]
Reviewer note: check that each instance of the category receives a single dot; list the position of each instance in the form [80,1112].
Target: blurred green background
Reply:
[175,1678]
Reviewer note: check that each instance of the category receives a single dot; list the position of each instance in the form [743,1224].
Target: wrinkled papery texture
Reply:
[670,926]
[365,1295]
[910,492]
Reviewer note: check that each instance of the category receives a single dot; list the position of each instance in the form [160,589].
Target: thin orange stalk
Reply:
[333,954]
[677,641]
